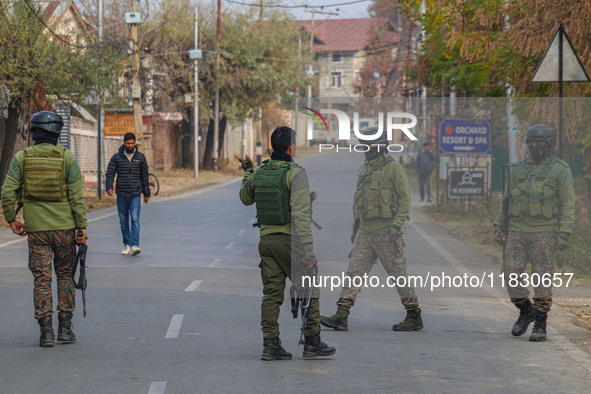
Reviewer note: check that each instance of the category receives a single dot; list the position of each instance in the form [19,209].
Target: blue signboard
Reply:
[464,137]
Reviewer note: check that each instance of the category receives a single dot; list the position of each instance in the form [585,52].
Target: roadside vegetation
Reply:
[476,224]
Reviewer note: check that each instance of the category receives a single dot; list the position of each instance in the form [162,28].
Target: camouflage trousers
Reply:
[59,246]
[538,250]
[366,250]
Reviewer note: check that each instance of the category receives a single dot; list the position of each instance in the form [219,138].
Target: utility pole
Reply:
[136,90]
[309,92]
[196,98]
[99,172]
[216,116]
[259,147]
[297,92]
[314,12]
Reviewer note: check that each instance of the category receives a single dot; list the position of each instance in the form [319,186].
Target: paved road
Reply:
[183,316]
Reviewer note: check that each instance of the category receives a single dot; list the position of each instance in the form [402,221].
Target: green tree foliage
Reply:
[482,46]
[34,65]
[388,52]
[258,60]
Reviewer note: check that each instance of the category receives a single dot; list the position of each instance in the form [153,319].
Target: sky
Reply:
[357,10]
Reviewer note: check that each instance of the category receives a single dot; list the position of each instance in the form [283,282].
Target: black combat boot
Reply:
[338,321]
[538,333]
[64,330]
[411,322]
[314,347]
[273,350]
[527,314]
[47,335]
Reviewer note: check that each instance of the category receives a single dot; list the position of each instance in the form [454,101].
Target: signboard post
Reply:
[467,182]
[560,64]
[119,122]
[464,137]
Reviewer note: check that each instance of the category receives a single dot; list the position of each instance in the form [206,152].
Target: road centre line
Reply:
[559,340]
[13,242]
[175,326]
[194,285]
[157,388]
[213,264]
[241,232]
[230,245]
[102,217]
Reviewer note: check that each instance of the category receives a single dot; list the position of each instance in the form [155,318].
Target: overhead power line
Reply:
[56,35]
[296,6]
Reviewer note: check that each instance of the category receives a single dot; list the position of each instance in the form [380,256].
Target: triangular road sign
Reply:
[572,69]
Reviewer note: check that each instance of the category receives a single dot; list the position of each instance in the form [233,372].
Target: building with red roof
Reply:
[340,50]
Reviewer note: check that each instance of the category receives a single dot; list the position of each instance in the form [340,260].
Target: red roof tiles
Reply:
[339,35]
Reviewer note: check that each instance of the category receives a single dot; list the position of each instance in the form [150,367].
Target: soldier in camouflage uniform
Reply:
[541,217]
[280,190]
[46,180]
[380,208]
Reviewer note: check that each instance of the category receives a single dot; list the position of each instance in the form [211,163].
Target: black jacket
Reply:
[132,176]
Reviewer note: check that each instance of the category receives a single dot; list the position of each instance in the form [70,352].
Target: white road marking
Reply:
[102,217]
[230,245]
[253,221]
[241,232]
[559,340]
[194,285]
[157,388]
[13,242]
[213,264]
[175,326]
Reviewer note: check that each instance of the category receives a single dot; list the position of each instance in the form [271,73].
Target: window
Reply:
[336,58]
[337,79]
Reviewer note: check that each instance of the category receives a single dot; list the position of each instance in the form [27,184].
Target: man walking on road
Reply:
[132,180]
[380,207]
[540,219]
[280,190]
[45,181]
[424,168]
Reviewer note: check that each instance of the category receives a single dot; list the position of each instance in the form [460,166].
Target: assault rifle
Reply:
[313,197]
[506,200]
[301,296]
[81,283]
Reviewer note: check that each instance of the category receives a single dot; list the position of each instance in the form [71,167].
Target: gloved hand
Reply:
[245,163]
[395,233]
[309,258]
[500,238]
[562,242]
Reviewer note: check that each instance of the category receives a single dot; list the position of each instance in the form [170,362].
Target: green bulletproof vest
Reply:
[271,193]
[375,197]
[43,175]
[534,191]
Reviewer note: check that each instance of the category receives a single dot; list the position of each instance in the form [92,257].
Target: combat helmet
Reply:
[541,132]
[48,121]
[371,131]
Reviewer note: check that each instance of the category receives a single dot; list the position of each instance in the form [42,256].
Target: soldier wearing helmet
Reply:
[380,207]
[541,217]
[45,181]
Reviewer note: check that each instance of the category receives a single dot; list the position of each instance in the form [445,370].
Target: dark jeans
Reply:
[425,179]
[129,207]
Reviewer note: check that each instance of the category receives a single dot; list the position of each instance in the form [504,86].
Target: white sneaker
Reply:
[126,250]
[135,250]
